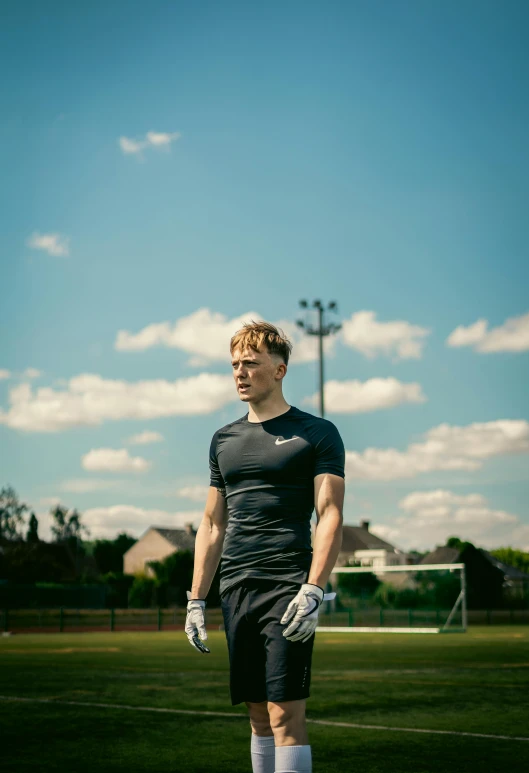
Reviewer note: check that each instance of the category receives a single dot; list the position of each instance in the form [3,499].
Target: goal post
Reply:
[407,598]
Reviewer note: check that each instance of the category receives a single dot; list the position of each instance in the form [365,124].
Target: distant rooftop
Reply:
[445,555]
[510,571]
[441,555]
[183,539]
[360,538]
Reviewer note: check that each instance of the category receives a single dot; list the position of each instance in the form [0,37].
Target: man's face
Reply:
[257,374]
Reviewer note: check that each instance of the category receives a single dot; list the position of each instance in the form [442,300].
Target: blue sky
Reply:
[182,165]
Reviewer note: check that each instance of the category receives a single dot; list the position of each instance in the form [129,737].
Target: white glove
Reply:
[302,612]
[195,627]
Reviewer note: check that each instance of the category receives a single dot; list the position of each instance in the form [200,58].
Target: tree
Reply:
[108,554]
[174,575]
[360,586]
[118,585]
[173,578]
[67,530]
[30,562]
[457,543]
[33,530]
[12,513]
[67,525]
[416,555]
[143,592]
[484,581]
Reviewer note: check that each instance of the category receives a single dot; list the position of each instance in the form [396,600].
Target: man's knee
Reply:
[288,723]
[286,715]
[259,718]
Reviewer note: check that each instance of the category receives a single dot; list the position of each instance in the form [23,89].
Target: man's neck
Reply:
[267,409]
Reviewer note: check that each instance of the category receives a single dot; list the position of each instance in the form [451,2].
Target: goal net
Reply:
[429,598]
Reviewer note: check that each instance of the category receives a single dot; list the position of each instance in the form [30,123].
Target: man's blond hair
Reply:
[255,335]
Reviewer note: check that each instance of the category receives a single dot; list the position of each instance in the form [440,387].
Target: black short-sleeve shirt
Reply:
[267,472]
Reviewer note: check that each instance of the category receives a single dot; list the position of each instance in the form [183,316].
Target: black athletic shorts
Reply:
[263,664]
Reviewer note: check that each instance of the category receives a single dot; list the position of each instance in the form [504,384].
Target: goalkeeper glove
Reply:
[195,627]
[302,612]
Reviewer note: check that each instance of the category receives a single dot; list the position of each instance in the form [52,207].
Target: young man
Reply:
[268,471]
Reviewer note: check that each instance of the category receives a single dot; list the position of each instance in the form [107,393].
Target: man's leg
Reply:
[247,675]
[263,744]
[288,666]
[287,720]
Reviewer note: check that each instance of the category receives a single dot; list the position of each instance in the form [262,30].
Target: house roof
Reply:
[360,538]
[445,555]
[509,571]
[179,538]
[441,555]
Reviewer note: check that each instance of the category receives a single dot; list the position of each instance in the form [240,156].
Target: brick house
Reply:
[362,548]
[156,544]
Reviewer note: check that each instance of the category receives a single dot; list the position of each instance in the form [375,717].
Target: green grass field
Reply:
[475,683]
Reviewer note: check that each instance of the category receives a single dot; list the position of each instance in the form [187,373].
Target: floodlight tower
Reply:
[321,331]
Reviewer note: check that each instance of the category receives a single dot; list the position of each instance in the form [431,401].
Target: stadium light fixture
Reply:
[322,330]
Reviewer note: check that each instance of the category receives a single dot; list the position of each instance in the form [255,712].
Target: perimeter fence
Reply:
[78,620]
[85,620]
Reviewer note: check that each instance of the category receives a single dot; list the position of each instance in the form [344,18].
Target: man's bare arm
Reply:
[209,542]
[328,497]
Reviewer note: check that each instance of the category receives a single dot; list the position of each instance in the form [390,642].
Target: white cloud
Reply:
[90,399]
[482,515]
[425,501]
[161,139]
[194,493]
[512,336]
[397,339]
[28,373]
[54,244]
[130,146]
[105,522]
[205,335]
[144,438]
[430,517]
[49,501]
[32,373]
[114,460]
[150,140]
[364,397]
[520,537]
[388,533]
[88,485]
[445,448]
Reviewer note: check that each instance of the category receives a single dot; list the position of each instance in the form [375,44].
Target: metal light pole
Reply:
[321,330]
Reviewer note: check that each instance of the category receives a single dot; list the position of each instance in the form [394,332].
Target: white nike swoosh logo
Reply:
[280,442]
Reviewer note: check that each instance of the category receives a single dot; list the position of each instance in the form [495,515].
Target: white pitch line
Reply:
[121,706]
[416,730]
[228,715]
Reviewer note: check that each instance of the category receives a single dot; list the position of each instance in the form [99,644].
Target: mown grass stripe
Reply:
[228,715]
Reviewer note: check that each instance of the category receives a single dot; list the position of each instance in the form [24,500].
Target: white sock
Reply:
[263,754]
[293,759]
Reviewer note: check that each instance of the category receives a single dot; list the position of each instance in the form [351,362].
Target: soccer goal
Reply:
[425,598]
